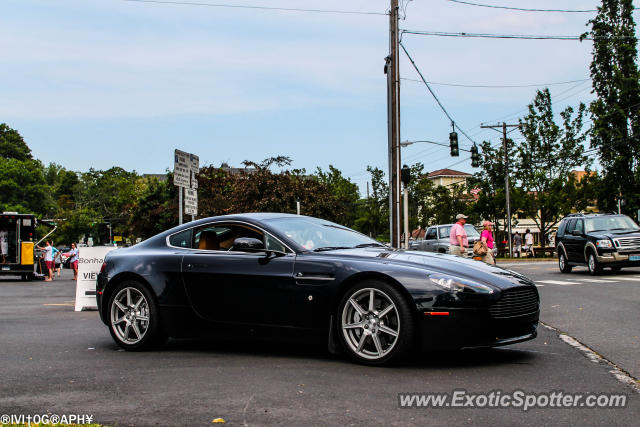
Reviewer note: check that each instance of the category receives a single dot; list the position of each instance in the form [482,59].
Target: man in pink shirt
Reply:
[458,242]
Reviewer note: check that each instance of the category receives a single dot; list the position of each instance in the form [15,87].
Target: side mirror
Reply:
[248,244]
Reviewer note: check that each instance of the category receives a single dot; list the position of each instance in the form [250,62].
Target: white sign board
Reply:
[194,163]
[89,263]
[194,181]
[190,211]
[190,198]
[182,169]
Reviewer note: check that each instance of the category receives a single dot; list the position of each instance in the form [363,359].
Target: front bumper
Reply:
[617,258]
[467,328]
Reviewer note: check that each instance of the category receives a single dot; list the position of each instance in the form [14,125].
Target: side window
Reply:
[272,244]
[571,225]
[561,228]
[431,234]
[444,232]
[181,240]
[220,236]
[579,226]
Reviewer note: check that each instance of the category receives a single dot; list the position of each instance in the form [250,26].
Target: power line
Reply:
[512,36]
[498,86]
[521,9]
[434,95]
[237,6]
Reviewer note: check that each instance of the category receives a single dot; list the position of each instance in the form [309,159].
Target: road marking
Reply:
[598,281]
[630,279]
[540,286]
[558,282]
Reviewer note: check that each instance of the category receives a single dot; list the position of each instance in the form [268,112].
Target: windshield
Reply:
[470,229]
[314,234]
[605,223]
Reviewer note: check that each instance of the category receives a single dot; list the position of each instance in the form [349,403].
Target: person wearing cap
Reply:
[458,242]
[487,238]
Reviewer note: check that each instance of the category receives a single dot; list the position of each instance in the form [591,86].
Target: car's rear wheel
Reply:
[375,323]
[134,320]
[563,264]
[592,263]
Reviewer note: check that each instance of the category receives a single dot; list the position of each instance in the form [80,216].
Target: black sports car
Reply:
[299,277]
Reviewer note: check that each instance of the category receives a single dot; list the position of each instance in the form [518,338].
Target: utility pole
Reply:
[392,69]
[504,127]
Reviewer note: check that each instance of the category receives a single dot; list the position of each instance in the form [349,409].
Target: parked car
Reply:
[436,239]
[597,241]
[303,278]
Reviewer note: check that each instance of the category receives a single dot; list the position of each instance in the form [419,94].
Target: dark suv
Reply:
[598,240]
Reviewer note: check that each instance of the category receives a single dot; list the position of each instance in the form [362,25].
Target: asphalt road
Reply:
[602,312]
[57,361]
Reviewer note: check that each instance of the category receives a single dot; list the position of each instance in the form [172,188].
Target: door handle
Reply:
[189,266]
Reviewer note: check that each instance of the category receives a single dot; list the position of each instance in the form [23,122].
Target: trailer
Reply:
[17,244]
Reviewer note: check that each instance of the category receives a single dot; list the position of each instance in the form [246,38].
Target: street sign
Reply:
[190,201]
[182,169]
[194,163]
[194,181]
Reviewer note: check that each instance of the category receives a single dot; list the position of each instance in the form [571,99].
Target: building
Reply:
[448,177]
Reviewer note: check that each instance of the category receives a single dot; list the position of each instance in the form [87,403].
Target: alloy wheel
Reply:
[130,315]
[370,323]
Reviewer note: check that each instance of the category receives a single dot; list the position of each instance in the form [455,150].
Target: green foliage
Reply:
[373,212]
[156,209]
[545,160]
[23,187]
[616,123]
[343,191]
[12,146]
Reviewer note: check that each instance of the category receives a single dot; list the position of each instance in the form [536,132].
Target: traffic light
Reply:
[405,175]
[453,143]
[475,156]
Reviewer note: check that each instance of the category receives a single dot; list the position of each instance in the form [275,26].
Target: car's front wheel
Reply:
[375,323]
[592,263]
[563,264]
[134,320]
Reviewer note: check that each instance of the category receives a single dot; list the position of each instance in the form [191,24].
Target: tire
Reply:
[375,324]
[134,319]
[592,264]
[563,264]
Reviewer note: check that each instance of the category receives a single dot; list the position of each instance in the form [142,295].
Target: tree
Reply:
[23,188]
[12,146]
[616,123]
[344,191]
[373,212]
[545,160]
[156,208]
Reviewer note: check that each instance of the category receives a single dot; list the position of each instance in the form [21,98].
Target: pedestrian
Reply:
[517,244]
[528,241]
[4,244]
[73,260]
[57,260]
[458,242]
[48,258]
[487,238]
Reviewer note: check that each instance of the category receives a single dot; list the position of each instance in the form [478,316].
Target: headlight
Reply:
[604,243]
[455,284]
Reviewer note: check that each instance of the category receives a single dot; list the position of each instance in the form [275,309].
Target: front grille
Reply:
[515,302]
[627,242]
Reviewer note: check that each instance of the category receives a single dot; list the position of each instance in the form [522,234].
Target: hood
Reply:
[464,268]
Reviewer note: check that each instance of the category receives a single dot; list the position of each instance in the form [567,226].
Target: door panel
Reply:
[240,287]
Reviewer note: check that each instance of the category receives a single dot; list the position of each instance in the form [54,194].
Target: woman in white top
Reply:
[528,240]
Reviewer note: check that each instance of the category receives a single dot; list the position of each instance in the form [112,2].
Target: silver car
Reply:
[436,239]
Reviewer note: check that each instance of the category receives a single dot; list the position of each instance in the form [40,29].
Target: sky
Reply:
[102,83]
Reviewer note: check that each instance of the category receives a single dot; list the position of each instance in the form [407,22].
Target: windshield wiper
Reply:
[369,245]
[330,248]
